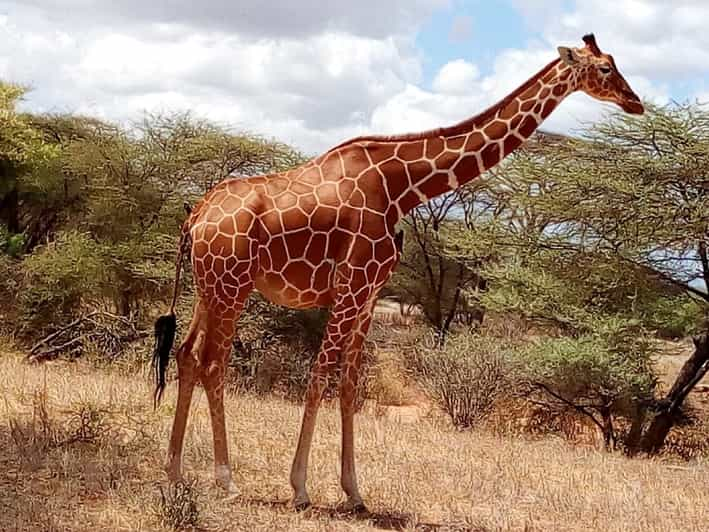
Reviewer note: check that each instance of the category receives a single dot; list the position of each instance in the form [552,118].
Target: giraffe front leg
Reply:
[337,329]
[352,362]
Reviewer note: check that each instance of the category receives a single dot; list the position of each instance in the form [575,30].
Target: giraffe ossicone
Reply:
[323,235]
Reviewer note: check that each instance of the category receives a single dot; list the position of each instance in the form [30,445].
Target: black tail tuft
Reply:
[165,328]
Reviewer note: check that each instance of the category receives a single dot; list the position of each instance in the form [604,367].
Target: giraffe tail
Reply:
[166,326]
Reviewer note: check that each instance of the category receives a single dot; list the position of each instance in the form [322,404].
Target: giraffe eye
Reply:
[605,69]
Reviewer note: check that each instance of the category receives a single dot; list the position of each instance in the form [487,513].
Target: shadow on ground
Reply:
[381,520]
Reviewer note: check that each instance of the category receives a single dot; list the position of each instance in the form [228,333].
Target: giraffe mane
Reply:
[455,129]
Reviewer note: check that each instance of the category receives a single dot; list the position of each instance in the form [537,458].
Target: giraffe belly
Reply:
[299,285]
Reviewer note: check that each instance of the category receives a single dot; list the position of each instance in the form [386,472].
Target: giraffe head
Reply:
[599,77]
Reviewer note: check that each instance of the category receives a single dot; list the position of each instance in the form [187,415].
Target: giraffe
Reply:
[323,235]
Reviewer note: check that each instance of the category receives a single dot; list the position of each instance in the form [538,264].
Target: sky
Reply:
[314,73]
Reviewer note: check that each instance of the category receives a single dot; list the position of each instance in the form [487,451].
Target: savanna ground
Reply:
[83,450]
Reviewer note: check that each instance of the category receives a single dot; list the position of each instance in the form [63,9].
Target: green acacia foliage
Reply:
[604,238]
[91,210]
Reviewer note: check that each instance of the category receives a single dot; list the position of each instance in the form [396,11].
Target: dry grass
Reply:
[82,450]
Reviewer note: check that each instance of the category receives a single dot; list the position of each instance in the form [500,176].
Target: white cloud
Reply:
[310,76]
[456,77]
[659,39]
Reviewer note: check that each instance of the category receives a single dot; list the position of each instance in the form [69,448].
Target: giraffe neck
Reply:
[422,166]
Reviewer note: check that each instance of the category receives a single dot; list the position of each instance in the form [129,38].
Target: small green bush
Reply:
[466,376]
[58,279]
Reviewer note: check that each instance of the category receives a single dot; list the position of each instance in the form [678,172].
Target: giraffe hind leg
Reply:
[188,356]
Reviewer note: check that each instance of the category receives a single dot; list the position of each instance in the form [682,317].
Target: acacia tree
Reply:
[431,275]
[615,231]
[105,219]
[24,157]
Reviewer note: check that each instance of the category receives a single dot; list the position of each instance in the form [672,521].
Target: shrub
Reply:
[598,374]
[58,279]
[466,376]
[675,317]
[177,507]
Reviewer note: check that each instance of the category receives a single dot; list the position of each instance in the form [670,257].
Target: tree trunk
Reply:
[10,200]
[664,419]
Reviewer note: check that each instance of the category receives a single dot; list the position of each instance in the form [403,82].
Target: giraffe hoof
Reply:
[302,506]
[354,508]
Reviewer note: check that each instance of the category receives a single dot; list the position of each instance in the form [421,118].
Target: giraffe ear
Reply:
[569,56]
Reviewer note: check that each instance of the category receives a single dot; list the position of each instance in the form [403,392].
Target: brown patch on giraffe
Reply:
[355,159]
[231,203]
[528,126]
[362,296]
[475,142]
[383,250]
[357,198]
[408,201]
[276,185]
[227,225]
[371,271]
[538,108]
[321,277]
[307,203]
[410,151]
[434,146]
[371,185]
[509,110]
[559,89]
[323,218]
[345,188]
[311,176]
[512,142]
[381,152]
[361,251]
[455,143]
[243,219]
[546,78]
[300,188]
[272,222]
[527,106]
[393,169]
[548,108]
[286,200]
[435,185]
[279,254]
[373,225]
[239,187]
[446,159]
[467,168]
[496,130]
[419,170]
[275,282]
[515,122]
[491,155]
[298,273]
[546,91]
[327,194]
[392,216]
[316,248]
[294,219]
[338,242]
[349,218]
[210,231]
[531,92]
[331,167]
[213,215]
[397,186]
[208,261]
[264,259]
[297,242]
